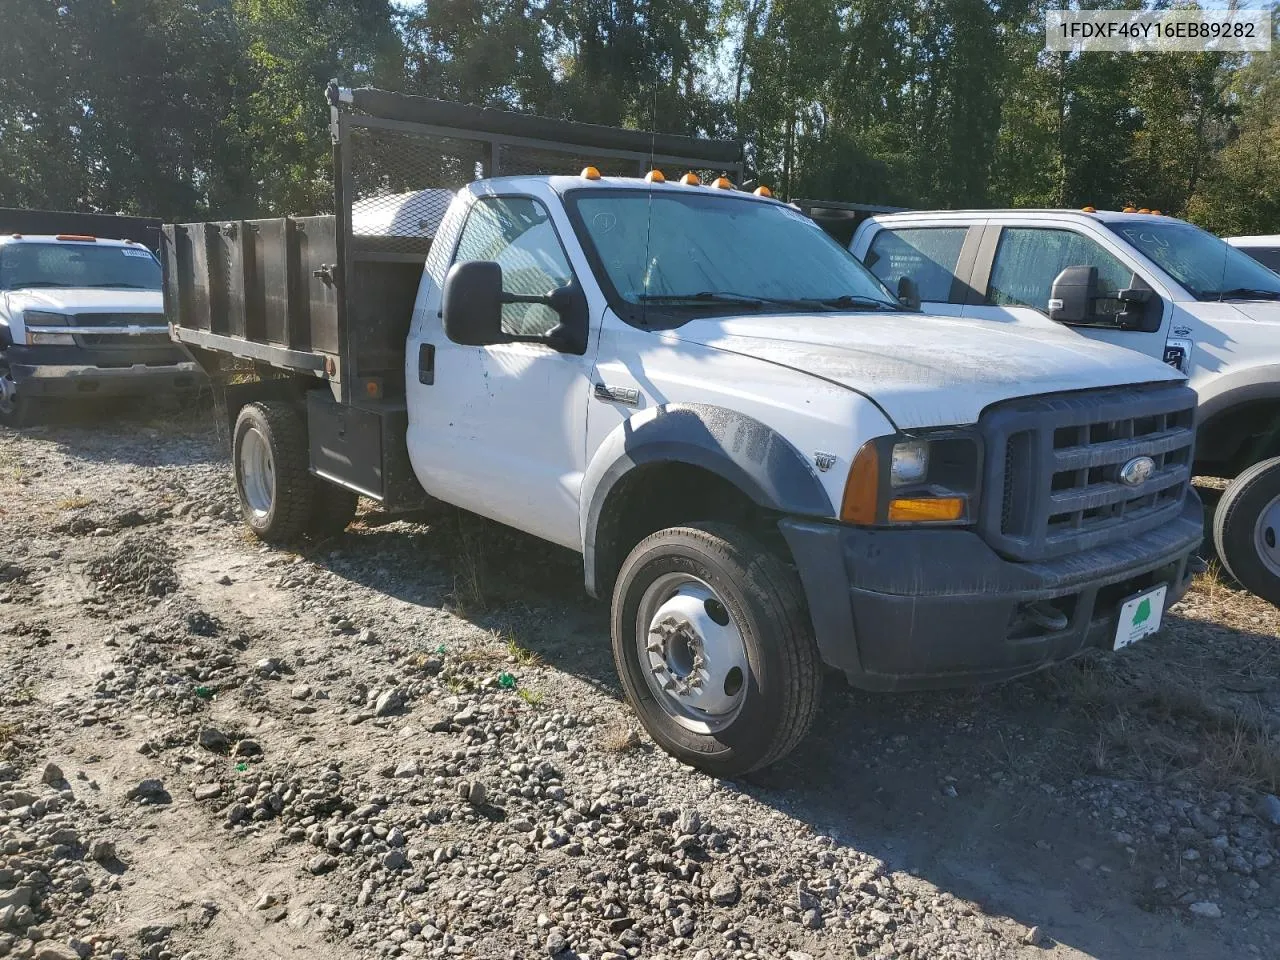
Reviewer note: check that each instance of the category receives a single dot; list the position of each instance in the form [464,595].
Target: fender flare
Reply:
[1234,389]
[752,456]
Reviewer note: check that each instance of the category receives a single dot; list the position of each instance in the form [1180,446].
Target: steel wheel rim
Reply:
[1266,536]
[257,472]
[8,394]
[691,653]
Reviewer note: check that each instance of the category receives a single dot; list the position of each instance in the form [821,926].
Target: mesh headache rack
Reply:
[331,296]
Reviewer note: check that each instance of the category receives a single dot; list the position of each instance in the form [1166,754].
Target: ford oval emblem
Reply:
[1137,471]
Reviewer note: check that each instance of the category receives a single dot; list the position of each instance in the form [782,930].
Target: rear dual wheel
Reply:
[279,498]
[714,647]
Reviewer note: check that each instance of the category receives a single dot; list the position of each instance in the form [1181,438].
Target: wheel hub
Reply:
[257,472]
[694,653]
[1266,536]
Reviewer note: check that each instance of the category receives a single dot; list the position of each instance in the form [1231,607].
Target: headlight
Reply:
[909,462]
[40,318]
[899,480]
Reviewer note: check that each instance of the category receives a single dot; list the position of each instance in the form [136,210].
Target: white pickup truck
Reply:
[1147,282]
[82,317]
[765,462]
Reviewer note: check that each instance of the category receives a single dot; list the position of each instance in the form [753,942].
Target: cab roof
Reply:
[1032,212]
[1260,240]
[565,184]
[67,238]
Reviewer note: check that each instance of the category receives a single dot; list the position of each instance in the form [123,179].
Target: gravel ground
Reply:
[408,741]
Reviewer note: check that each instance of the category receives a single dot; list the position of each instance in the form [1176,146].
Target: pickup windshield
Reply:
[77,264]
[1207,267]
[664,256]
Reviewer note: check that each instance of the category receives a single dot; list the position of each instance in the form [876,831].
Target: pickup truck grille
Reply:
[155,321]
[1053,482]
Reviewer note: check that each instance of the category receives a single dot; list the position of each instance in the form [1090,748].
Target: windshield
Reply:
[665,255]
[79,264]
[1207,267]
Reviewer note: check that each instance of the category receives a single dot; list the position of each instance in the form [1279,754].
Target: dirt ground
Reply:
[409,741]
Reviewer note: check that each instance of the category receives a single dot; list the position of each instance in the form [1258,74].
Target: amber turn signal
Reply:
[924,509]
[861,489]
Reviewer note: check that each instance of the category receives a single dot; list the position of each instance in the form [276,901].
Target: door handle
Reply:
[427,363]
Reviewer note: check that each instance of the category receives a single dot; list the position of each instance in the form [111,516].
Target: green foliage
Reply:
[189,108]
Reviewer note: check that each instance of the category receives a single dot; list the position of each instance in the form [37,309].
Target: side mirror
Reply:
[908,293]
[471,306]
[1073,293]
[570,334]
[1142,310]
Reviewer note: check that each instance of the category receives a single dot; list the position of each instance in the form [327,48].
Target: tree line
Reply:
[191,108]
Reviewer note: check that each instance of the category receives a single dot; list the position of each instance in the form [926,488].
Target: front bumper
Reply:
[67,371]
[918,608]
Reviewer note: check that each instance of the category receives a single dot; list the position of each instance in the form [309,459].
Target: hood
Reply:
[926,371]
[1261,310]
[91,300]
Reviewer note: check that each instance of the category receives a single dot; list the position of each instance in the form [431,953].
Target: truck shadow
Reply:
[163,430]
[1003,796]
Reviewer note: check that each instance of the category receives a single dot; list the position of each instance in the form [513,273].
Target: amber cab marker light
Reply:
[723,183]
[1089,209]
[1155,212]
[1144,210]
[655,176]
[590,173]
[762,191]
[76,236]
[861,489]
[911,510]
[1129,210]
[690,179]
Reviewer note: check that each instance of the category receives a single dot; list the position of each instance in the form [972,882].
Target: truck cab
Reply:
[769,465]
[82,317]
[1265,249]
[1139,280]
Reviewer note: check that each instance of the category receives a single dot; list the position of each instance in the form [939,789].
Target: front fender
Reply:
[755,458]
[1237,388]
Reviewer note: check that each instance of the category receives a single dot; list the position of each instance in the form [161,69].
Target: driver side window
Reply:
[1029,258]
[516,232]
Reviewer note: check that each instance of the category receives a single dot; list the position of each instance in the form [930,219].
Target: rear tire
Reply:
[684,598]
[1246,529]
[273,483]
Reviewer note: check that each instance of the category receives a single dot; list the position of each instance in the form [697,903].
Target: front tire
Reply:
[1246,529]
[273,483]
[714,647]
[17,409]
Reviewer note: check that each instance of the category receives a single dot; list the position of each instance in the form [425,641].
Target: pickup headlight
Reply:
[927,478]
[39,318]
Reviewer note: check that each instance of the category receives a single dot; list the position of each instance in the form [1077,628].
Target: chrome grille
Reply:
[1062,455]
[154,321]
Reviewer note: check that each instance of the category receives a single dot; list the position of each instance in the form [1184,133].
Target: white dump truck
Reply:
[769,465]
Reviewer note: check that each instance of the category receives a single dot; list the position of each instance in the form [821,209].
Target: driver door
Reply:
[501,429]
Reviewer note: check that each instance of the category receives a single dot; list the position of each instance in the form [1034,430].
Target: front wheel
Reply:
[17,409]
[714,647]
[1246,529]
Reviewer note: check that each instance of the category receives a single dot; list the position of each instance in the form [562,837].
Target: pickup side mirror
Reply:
[471,306]
[1143,310]
[908,293]
[1073,293]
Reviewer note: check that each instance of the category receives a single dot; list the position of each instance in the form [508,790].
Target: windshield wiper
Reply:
[119,286]
[704,296]
[852,301]
[1248,293]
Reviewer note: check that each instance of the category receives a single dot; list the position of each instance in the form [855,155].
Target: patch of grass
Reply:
[74,503]
[518,652]
[8,731]
[532,697]
[456,684]
[619,738]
